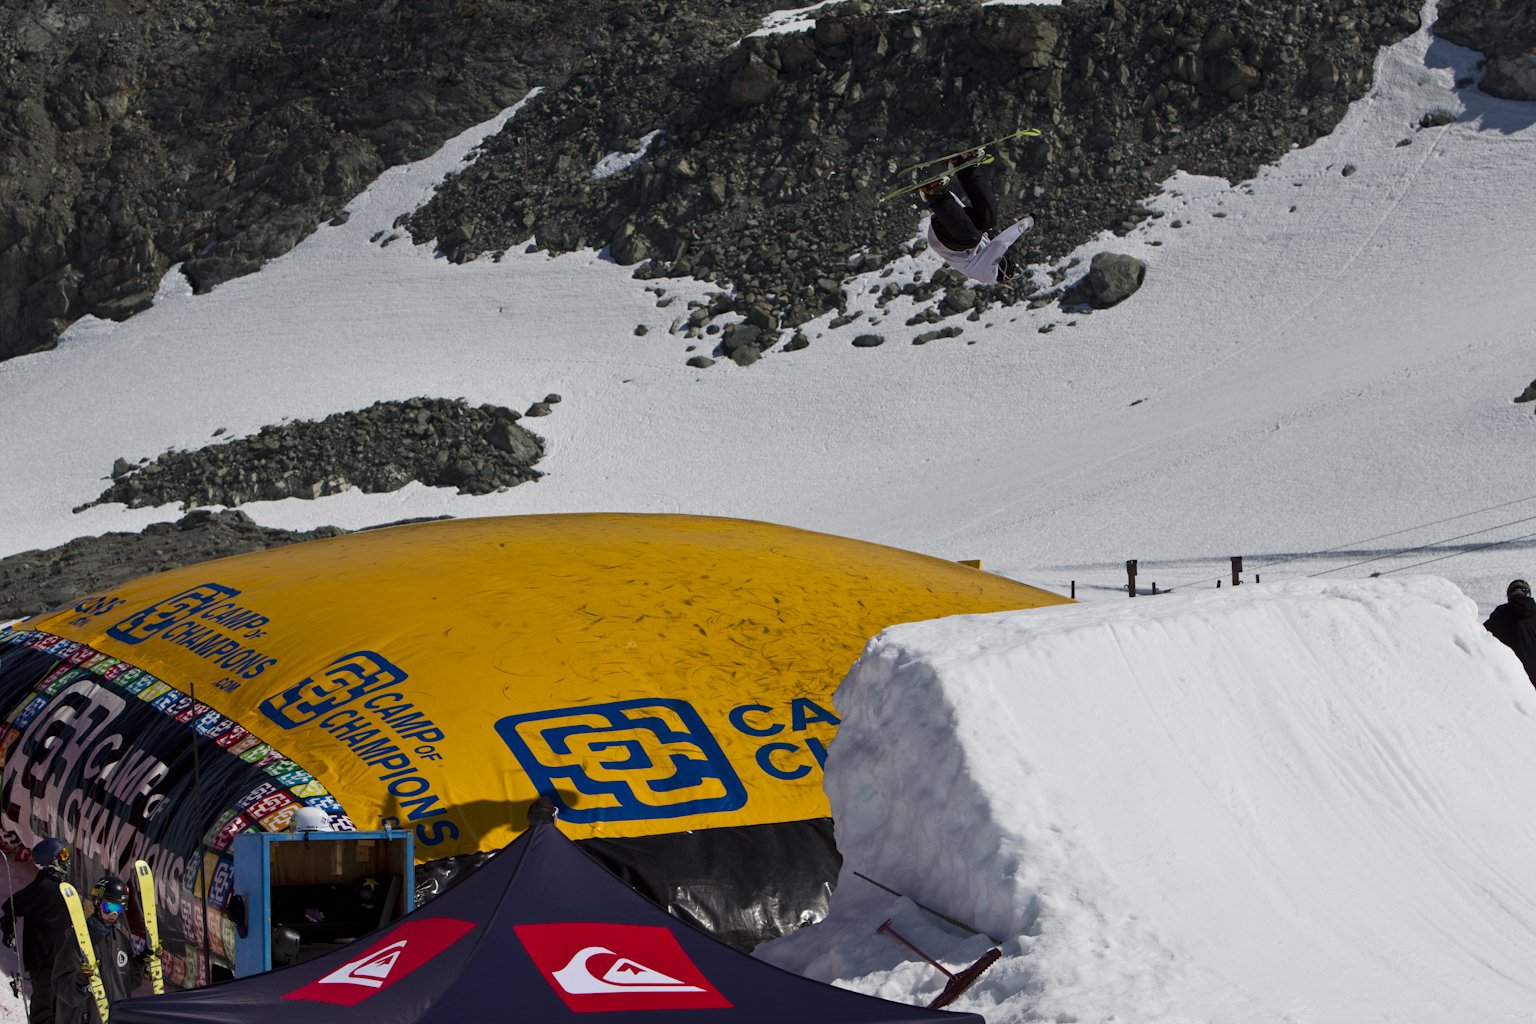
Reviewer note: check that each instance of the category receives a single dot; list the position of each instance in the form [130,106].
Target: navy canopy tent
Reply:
[541,933]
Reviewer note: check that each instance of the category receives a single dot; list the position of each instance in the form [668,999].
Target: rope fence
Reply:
[1133,568]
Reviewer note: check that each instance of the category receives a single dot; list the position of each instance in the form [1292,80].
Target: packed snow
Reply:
[1297,801]
[1306,801]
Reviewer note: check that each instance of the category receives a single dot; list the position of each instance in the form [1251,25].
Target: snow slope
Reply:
[1317,359]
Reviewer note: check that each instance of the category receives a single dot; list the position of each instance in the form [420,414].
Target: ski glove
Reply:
[10,940]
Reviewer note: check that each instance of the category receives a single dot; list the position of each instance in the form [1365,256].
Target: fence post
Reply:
[1237,570]
[1130,573]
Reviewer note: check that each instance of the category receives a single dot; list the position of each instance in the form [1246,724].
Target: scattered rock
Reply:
[943,332]
[439,442]
[36,581]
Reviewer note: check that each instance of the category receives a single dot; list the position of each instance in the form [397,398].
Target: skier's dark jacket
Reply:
[44,918]
[44,922]
[1514,622]
[120,970]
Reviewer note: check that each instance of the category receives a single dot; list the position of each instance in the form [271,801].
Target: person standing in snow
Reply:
[1514,622]
[120,970]
[39,908]
[960,225]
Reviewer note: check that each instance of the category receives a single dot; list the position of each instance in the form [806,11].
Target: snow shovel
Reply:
[957,983]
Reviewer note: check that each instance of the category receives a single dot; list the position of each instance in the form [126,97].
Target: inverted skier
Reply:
[960,227]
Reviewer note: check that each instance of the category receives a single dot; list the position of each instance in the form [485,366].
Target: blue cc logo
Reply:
[627,761]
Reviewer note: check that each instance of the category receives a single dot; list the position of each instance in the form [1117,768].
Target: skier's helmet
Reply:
[369,892]
[1517,587]
[110,894]
[52,856]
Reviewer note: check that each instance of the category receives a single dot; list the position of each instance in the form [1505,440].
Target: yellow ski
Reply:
[87,950]
[151,925]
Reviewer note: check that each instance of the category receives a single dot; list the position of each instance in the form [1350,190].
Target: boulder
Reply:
[1111,279]
[753,83]
[1510,78]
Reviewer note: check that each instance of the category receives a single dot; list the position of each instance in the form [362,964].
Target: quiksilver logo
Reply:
[394,958]
[614,967]
[623,975]
[372,970]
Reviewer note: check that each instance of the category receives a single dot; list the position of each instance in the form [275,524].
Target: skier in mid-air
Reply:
[960,227]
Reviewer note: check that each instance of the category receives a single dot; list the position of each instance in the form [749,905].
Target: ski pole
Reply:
[21,963]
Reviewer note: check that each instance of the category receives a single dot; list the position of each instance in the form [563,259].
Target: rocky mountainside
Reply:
[137,135]
[764,162]
[140,134]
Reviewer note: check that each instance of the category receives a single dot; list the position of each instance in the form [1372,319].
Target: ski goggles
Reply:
[110,907]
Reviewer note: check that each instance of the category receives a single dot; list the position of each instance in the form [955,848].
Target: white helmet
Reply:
[310,819]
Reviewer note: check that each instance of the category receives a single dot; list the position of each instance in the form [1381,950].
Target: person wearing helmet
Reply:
[1514,622]
[119,969]
[40,910]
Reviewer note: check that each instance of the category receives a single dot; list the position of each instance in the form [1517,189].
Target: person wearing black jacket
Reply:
[39,909]
[119,969]
[960,228]
[1514,622]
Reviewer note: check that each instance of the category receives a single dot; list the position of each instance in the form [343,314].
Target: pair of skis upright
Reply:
[977,154]
[88,949]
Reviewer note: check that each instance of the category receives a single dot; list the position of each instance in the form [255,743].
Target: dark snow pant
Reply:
[40,1005]
[959,225]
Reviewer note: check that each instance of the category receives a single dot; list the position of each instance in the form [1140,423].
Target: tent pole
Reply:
[205,970]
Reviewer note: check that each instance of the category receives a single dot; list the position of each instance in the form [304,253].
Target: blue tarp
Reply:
[541,933]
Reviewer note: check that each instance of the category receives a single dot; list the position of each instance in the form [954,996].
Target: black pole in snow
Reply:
[205,970]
